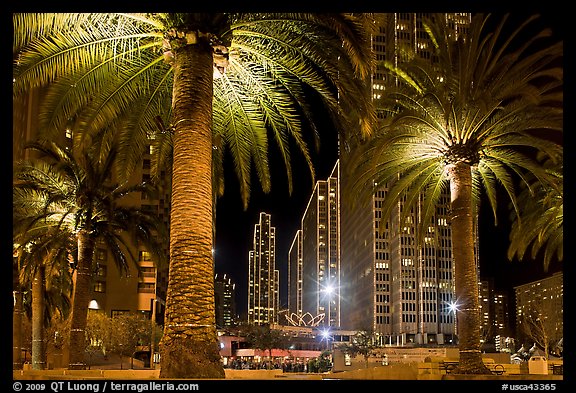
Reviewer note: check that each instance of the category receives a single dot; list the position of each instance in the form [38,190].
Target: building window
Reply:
[101,271]
[100,286]
[100,254]
[144,287]
[144,256]
[147,272]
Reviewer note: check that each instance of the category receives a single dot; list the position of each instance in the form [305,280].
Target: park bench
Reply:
[448,365]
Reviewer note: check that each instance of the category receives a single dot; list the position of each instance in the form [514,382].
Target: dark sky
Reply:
[235,226]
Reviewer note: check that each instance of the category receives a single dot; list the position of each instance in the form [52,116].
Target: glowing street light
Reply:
[326,335]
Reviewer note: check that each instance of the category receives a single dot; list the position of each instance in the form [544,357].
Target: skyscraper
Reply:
[263,278]
[390,285]
[364,273]
[320,252]
[295,275]
[224,299]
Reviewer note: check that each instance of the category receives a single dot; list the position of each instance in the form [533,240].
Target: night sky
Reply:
[234,225]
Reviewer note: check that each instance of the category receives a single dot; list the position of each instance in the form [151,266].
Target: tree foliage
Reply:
[539,227]
[63,201]
[196,87]
[362,343]
[471,121]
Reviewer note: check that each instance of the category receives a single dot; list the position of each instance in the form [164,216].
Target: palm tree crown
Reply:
[118,69]
[539,228]
[196,87]
[64,202]
[470,121]
[480,104]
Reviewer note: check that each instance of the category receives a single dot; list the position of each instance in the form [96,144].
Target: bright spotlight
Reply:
[453,306]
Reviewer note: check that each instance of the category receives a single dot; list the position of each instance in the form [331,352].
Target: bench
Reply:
[448,366]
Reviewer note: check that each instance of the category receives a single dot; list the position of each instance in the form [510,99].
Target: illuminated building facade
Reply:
[540,308]
[495,313]
[389,284]
[320,247]
[224,298]
[263,278]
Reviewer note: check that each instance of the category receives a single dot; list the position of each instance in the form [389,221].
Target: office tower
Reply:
[398,34]
[263,278]
[295,275]
[390,285]
[494,312]
[320,244]
[540,311]
[225,301]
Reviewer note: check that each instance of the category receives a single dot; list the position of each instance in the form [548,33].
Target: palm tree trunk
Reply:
[38,353]
[466,273]
[17,313]
[189,346]
[80,301]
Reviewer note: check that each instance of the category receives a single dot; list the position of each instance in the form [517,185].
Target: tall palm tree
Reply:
[199,86]
[46,272]
[17,314]
[539,228]
[471,121]
[72,194]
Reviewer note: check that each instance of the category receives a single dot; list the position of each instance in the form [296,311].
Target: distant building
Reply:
[295,276]
[225,301]
[541,302]
[263,278]
[495,314]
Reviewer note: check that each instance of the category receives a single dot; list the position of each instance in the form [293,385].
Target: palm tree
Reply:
[17,313]
[472,121]
[539,227]
[71,194]
[198,86]
[44,269]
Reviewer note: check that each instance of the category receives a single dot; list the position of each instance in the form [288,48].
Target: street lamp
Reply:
[326,336]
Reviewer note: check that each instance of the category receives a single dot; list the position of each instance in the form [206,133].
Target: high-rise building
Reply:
[263,278]
[540,310]
[320,251]
[224,299]
[391,285]
[495,313]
